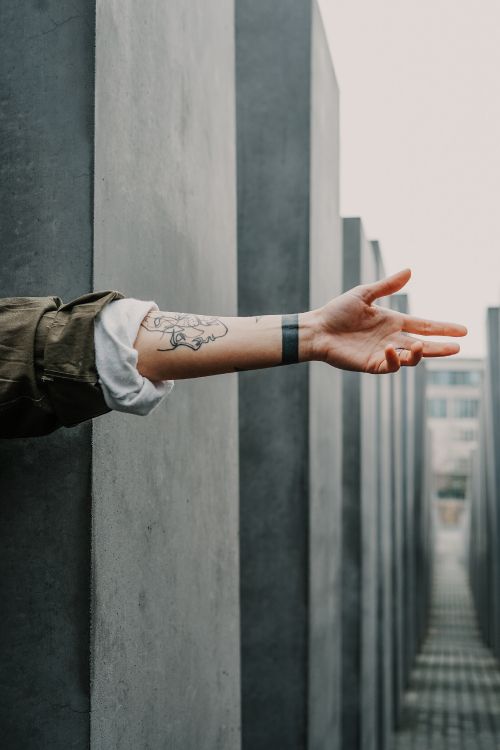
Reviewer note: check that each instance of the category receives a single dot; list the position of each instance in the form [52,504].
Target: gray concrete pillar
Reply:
[483,518]
[410,466]
[415,511]
[385,583]
[491,560]
[399,450]
[325,413]
[120,172]
[480,551]
[360,526]
[421,520]
[385,418]
[166,628]
[288,255]
[46,248]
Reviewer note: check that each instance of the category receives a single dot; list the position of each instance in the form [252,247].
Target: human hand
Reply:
[354,334]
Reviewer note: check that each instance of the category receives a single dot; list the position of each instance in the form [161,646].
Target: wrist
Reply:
[309,336]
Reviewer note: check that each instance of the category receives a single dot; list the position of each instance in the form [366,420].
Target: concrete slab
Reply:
[360,555]
[165,637]
[325,413]
[289,258]
[484,552]
[47,63]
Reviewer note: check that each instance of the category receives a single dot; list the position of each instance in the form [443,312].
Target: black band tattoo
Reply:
[290,338]
[183,329]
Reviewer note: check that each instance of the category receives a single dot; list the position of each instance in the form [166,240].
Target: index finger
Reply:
[431,327]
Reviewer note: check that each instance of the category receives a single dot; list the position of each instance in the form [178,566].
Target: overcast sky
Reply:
[420,145]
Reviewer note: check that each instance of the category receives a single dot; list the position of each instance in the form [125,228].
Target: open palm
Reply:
[358,335]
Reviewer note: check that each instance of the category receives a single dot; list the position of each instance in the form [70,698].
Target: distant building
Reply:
[454,387]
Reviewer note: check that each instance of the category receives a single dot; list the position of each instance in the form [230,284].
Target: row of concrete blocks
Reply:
[484,536]
[161,586]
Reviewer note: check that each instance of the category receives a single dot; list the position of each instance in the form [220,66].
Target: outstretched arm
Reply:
[350,332]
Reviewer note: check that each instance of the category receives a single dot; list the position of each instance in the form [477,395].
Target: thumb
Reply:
[386,287]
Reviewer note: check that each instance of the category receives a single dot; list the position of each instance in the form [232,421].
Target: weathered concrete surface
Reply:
[273,106]
[46,149]
[482,523]
[484,552]
[386,528]
[483,537]
[452,699]
[492,407]
[360,561]
[325,414]
[165,638]
[416,521]
[289,530]
[421,520]
[409,572]
[384,522]
[399,459]
[386,422]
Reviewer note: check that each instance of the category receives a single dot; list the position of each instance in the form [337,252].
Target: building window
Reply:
[436,407]
[468,436]
[451,486]
[466,408]
[452,377]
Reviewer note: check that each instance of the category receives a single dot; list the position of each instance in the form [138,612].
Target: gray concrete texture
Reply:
[484,537]
[120,568]
[385,527]
[452,700]
[289,254]
[399,432]
[46,143]
[422,512]
[412,463]
[386,423]
[165,632]
[164,646]
[360,534]
[411,519]
[325,413]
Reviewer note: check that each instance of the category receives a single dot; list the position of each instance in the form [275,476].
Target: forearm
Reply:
[349,332]
[175,346]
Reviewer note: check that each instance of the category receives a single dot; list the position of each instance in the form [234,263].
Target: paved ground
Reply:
[454,697]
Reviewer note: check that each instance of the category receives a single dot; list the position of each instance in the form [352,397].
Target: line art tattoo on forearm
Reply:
[290,339]
[184,329]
